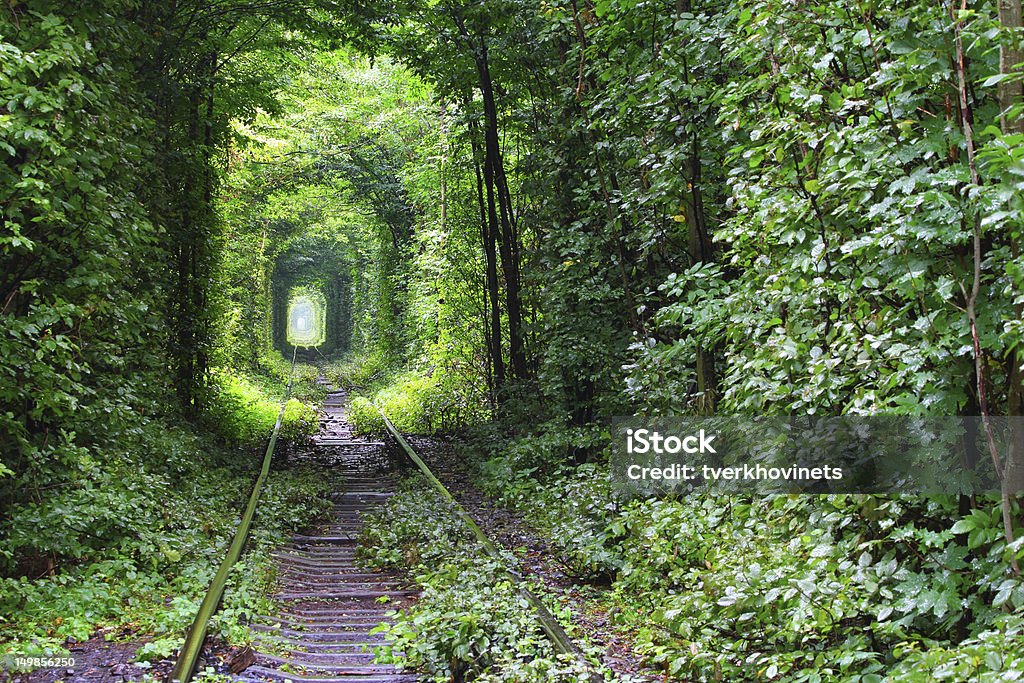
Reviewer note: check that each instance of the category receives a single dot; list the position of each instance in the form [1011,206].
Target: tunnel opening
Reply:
[312,298]
[306,316]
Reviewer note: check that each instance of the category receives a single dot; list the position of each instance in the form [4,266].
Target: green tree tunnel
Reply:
[516,222]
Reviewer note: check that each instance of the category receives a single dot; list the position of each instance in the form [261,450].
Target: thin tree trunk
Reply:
[700,247]
[204,262]
[488,232]
[184,311]
[966,119]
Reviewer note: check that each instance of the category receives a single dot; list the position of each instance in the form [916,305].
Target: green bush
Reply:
[416,401]
[364,416]
[992,656]
[407,402]
[299,422]
[244,413]
[572,508]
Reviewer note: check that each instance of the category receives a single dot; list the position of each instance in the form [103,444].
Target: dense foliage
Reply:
[123,456]
[797,588]
[753,207]
[742,207]
[529,218]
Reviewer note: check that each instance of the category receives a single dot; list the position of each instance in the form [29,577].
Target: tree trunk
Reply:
[498,197]
[488,232]
[184,310]
[1011,92]
[700,247]
[966,124]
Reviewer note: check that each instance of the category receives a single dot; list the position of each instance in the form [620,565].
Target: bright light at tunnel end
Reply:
[305,321]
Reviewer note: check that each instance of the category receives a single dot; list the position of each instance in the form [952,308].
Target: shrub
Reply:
[407,402]
[243,413]
[416,401]
[364,416]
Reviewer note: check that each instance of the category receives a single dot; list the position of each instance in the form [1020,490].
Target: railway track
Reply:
[327,604]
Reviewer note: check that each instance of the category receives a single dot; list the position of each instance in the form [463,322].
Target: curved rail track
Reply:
[327,604]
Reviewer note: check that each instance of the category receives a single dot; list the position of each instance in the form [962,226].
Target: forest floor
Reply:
[537,559]
[99,660]
[95,661]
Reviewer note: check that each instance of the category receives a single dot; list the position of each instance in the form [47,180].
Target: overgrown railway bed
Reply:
[327,604]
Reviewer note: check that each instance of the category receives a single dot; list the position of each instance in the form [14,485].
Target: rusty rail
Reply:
[188,657]
[561,640]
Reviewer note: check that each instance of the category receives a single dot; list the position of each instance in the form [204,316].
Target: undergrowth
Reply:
[246,406]
[785,588]
[418,401]
[128,550]
[470,622]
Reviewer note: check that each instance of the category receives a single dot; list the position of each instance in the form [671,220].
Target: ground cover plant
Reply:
[127,552]
[839,587]
[469,623]
[521,220]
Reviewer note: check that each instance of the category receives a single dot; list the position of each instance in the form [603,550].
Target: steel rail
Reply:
[561,640]
[188,657]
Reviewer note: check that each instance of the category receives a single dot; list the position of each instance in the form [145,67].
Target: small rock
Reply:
[242,660]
